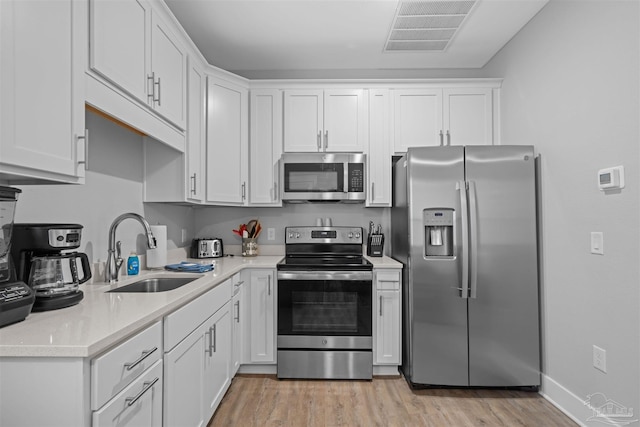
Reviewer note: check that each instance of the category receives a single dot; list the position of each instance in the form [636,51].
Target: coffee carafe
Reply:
[53,275]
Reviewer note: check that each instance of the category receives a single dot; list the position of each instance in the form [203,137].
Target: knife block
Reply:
[375,245]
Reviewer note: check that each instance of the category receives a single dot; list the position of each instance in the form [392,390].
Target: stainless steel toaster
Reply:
[207,248]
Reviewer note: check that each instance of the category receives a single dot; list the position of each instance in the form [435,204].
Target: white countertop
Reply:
[103,319]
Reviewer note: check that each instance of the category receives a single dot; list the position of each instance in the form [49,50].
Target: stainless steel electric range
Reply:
[325,289]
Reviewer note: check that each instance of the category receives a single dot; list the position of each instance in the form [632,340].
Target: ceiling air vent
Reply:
[426,25]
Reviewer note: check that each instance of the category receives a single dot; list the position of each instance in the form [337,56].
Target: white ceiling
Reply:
[260,38]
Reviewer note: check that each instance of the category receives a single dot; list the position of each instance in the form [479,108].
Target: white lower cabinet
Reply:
[238,313]
[139,404]
[262,296]
[387,338]
[197,370]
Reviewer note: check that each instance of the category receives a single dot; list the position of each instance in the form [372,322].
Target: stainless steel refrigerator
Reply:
[464,226]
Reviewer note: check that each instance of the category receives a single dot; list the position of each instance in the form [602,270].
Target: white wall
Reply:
[571,89]
[113,186]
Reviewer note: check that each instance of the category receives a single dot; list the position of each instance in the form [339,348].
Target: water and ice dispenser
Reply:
[438,232]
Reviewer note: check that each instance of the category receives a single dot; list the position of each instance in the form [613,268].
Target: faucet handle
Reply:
[118,249]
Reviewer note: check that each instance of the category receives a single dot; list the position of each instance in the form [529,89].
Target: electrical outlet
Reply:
[600,358]
[271,234]
[184,235]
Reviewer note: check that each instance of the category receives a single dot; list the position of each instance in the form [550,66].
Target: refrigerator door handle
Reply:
[473,240]
[461,186]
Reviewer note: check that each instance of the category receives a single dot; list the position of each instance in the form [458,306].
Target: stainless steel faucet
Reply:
[114,261]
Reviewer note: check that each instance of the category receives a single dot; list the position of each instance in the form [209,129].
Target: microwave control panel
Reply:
[356,177]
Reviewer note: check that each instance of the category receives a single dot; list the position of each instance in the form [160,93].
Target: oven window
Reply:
[324,307]
[314,177]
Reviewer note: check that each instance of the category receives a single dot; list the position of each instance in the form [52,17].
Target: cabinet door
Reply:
[42,87]
[196,133]
[417,118]
[388,332]
[303,120]
[217,365]
[379,154]
[227,142]
[265,147]
[119,32]
[345,120]
[184,380]
[168,67]
[468,116]
[139,404]
[262,288]
[238,315]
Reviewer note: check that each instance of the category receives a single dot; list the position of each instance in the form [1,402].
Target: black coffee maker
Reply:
[40,262]
[16,298]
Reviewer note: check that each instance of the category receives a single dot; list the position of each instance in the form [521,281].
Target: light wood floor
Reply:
[254,400]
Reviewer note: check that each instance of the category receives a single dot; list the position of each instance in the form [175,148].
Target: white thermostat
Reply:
[611,178]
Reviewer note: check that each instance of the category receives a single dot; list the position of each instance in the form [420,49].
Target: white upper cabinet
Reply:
[196,134]
[442,116]
[468,116]
[227,142]
[379,154]
[333,120]
[265,147]
[131,46]
[42,134]
[417,118]
[168,71]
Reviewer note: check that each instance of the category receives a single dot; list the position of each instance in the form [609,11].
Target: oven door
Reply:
[325,309]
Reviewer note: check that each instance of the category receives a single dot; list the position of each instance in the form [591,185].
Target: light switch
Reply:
[597,243]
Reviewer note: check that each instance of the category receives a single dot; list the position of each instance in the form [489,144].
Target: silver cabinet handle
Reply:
[373,197]
[244,190]
[473,237]
[214,339]
[461,186]
[85,140]
[144,355]
[193,187]
[326,140]
[319,140]
[237,319]
[448,138]
[147,385]
[441,138]
[239,283]
[269,285]
[209,350]
[380,305]
[157,99]
[151,90]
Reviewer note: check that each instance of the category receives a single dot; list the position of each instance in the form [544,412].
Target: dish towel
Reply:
[189,267]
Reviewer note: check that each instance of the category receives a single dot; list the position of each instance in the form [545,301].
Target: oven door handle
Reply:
[326,275]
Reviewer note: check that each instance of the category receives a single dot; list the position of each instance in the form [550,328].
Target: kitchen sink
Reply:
[157,284]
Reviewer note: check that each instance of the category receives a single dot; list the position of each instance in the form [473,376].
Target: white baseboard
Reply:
[571,405]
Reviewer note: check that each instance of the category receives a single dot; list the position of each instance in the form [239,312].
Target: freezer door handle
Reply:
[461,186]
[473,237]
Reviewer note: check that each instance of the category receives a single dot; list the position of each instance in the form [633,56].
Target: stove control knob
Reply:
[357,235]
[291,235]
[350,235]
[297,235]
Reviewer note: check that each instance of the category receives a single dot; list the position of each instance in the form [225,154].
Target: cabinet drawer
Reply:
[139,404]
[387,280]
[181,322]
[114,370]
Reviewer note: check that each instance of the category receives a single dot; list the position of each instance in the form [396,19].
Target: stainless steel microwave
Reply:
[323,177]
